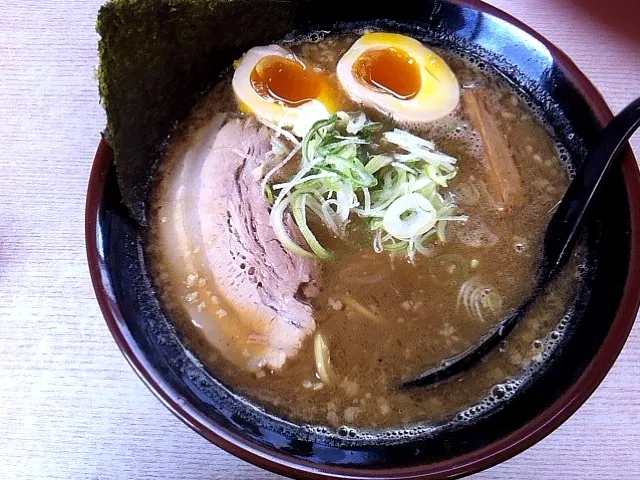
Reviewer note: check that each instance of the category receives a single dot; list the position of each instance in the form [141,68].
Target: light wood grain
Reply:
[70,407]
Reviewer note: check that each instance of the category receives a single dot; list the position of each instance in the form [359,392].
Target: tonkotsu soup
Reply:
[339,215]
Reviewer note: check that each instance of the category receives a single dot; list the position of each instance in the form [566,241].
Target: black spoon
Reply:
[559,240]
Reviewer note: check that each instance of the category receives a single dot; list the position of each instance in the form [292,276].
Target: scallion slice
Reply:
[344,173]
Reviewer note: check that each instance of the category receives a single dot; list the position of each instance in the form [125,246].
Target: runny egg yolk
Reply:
[390,70]
[285,80]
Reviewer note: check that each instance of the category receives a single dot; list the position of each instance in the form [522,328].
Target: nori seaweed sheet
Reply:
[157,58]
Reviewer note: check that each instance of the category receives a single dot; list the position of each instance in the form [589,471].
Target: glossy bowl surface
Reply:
[575,111]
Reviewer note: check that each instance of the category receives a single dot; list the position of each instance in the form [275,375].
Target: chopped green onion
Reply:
[403,167]
[269,193]
[355,123]
[342,172]
[409,216]
[478,299]
[307,154]
[299,209]
[281,164]
[353,170]
[277,222]
[407,140]
[310,178]
[434,174]
[377,162]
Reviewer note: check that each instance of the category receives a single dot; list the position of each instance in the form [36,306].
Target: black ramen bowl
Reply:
[575,112]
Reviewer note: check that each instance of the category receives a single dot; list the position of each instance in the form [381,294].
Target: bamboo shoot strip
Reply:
[503,175]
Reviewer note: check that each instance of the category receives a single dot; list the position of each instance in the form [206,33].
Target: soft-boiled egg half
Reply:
[399,76]
[275,85]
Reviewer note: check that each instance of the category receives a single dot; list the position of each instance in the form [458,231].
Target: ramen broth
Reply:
[384,319]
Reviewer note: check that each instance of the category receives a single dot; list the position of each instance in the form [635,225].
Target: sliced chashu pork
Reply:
[241,286]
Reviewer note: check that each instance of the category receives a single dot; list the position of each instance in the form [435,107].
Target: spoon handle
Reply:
[564,227]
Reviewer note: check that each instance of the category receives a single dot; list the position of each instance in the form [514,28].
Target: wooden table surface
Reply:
[70,406]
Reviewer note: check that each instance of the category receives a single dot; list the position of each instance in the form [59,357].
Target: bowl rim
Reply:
[504,448]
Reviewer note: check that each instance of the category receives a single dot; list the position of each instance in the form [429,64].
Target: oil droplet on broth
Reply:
[286,80]
[390,70]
